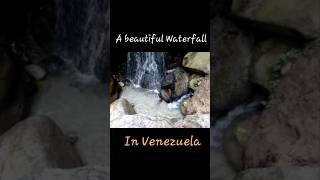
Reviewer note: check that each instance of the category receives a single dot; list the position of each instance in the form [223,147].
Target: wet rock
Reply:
[232,58]
[195,81]
[267,56]
[174,84]
[234,136]
[181,83]
[72,137]
[197,61]
[287,132]
[289,17]
[200,102]
[114,89]
[166,95]
[281,173]
[168,79]
[219,167]
[121,107]
[33,145]
[35,71]
[81,173]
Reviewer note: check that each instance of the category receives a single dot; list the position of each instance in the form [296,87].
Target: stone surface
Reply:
[289,17]
[197,61]
[234,136]
[278,173]
[81,173]
[80,110]
[200,101]
[268,55]
[114,89]
[232,55]
[142,121]
[195,81]
[32,145]
[219,167]
[147,121]
[121,107]
[194,121]
[35,71]
[181,83]
[174,84]
[287,132]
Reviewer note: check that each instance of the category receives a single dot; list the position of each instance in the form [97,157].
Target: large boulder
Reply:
[174,84]
[234,135]
[181,83]
[33,145]
[219,167]
[81,173]
[121,107]
[197,61]
[268,55]
[281,173]
[287,132]
[232,55]
[290,17]
[200,101]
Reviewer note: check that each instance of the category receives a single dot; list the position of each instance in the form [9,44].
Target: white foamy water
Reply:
[148,102]
[176,104]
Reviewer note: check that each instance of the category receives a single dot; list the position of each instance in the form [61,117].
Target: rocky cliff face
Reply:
[287,133]
[267,53]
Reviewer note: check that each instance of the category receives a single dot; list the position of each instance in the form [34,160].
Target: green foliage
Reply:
[284,59]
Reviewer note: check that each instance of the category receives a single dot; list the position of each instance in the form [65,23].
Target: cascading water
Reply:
[82,34]
[146,69]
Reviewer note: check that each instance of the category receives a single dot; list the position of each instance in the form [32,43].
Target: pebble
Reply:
[35,71]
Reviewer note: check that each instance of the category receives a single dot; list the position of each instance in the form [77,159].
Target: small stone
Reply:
[121,84]
[35,71]
[121,107]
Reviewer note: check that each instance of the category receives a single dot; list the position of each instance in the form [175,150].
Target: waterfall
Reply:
[82,36]
[145,69]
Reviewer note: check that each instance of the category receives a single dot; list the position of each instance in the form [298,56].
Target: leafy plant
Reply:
[284,59]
